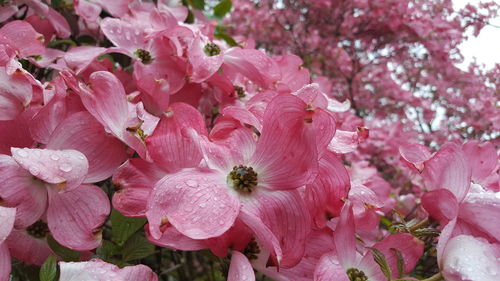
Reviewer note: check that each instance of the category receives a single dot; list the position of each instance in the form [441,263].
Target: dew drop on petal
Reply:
[65,167]
[34,171]
[192,183]
[54,157]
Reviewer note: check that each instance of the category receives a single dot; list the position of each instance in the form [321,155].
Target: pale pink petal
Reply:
[171,238]
[448,169]
[286,154]
[441,204]
[4,262]
[253,64]
[415,155]
[7,217]
[116,8]
[344,142]
[168,147]
[27,248]
[87,10]
[19,189]
[74,217]
[124,34]
[15,93]
[240,268]
[345,238]
[93,270]
[79,58]
[467,258]
[243,115]
[312,95]
[482,211]
[47,118]
[285,214]
[329,269]
[66,168]
[196,201]
[137,272]
[483,159]
[26,40]
[444,237]
[134,181]
[7,11]
[324,196]
[84,133]
[294,75]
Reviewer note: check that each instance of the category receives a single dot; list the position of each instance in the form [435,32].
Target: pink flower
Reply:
[7,216]
[98,270]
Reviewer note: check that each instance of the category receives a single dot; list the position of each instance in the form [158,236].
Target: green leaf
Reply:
[380,259]
[220,33]
[222,8]
[190,17]
[123,227]
[198,4]
[48,271]
[107,250]
[401,261]
[137,247]
[65,253]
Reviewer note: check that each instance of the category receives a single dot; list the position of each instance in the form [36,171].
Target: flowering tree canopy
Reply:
[246,140]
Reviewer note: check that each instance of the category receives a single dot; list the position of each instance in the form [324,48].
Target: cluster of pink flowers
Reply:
[219,147]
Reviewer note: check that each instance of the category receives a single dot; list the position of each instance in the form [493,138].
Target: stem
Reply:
[436,277]
[419,225]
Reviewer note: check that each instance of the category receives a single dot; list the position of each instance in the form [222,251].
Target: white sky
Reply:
[486,47]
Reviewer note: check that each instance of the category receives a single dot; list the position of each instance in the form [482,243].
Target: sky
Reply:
[485,47]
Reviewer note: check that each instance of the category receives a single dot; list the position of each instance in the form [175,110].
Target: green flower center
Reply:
[239,91]
[144,56]
[244,178]
[355,274]
[211,49]
[38,230]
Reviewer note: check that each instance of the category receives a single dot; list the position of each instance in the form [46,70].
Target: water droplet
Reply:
[202,205]
[34,171]
[221,222]
[65,167]
[22,153]
[54,157]
[81,157]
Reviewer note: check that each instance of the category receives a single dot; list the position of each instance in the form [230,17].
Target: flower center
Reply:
[38,230]
[244,178]
[144,56]
[211,49]
[355,274]
[252,250]
[239,91]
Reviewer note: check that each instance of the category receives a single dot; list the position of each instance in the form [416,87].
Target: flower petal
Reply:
[329,268]
[74,216]
[27,248]
[240,268]
[7,217]
[482,210]
[197,202]
[67,168]
[441,204]
[82,132]
[5,265]
[345,237]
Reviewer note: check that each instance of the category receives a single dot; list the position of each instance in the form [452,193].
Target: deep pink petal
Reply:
[329,268]
[410,247]
[240,268]
[253,64]
[285,214]
[116,8]
[16,133]
[345,237]
[203,65]
[4,262]
[134,181]
[294,76]
[324,196]
[168,147]
[483,159]
[415,155]
[87,10]
[73,217]
[196,201]
[243,115]
[7,217]
[19,189]
[448,169]
[27,248]
[66,168]
[59,23]
[312,95]
[286,154]
[15,93]
[26,40]
[441,204]
[84,133]
[482,211]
